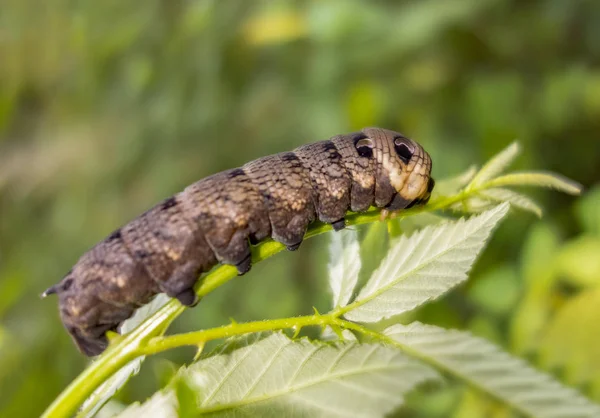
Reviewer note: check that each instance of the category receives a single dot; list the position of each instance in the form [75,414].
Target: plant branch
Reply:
[198,338]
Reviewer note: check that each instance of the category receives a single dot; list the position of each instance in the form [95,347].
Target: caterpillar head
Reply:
[402,168]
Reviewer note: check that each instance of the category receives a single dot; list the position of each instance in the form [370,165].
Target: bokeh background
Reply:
[108,107]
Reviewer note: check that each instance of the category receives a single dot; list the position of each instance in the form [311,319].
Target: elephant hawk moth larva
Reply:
[216,219]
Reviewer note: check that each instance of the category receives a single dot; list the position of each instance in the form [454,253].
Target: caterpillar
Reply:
[218,218]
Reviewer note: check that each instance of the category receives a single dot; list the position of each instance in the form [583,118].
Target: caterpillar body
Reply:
[216,219]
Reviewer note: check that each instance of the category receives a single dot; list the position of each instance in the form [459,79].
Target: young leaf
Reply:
[281,377]
[144,312]
[538,178]
[452,185]
[111,386]
[497,164]
[484,366]
[518,200]
[475,204]
[344,265]
[424,267]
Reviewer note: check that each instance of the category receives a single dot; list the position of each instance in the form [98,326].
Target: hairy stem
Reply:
[161,344]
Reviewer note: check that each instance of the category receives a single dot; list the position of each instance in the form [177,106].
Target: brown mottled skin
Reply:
[215,220]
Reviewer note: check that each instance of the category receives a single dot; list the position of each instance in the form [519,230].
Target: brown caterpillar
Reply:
[215,220]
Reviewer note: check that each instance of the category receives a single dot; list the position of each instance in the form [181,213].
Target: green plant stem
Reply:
[145,338]
[160,344]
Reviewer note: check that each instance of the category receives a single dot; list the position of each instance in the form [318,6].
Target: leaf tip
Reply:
[577,188]
[501,210]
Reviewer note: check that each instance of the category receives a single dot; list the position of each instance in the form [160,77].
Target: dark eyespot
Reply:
[364,146]
[403,149]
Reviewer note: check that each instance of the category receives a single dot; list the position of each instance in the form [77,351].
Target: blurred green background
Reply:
[108,107]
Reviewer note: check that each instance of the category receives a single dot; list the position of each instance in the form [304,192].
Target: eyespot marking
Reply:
[364,147]
[403,149]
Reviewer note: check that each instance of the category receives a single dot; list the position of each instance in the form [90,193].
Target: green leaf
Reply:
[186,399]
[423,267]
[487,368]
[537,178]
[162,404]
[496,165]
[476,203]
[281,377]
[144,313]
[344,265]
[111,386]
[452,185]
[517,200]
